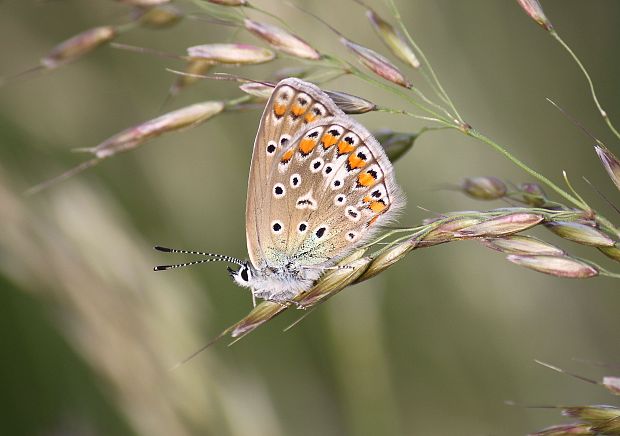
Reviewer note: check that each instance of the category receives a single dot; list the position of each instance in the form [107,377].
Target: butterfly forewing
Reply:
[294,104]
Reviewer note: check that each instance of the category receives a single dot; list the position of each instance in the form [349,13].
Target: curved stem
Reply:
[590,83]
[475,134]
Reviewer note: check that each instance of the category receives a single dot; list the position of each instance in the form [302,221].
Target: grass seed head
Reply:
[523,245]
[158,17]
[393,39]
[484,188]
[559,266]
[580,233]
[78,45]
[262,91]
[377,63]
[194,66]
[533,194]
[395,144]
[501,225]
[536,13]
[604,419]
[282,40]
[387,258]
[610,163]
[613,384]
[238,54]
[351,104]
[611,252]
[188,116]
[574,429]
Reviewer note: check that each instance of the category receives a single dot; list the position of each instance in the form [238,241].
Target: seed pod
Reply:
[393,39]
[229,2]
[613,384]
[395,144]
[282,40]
[484,188]
[580,233]
[262,91]
[574,429]
[78,45]
[241,54]
[189,116]
[377,63]
[533,194]
[536,13]
[559,266]
[351,104]
[502,225]
[523,245]
[387,259]
[611,252]
[158,17]
[610,163]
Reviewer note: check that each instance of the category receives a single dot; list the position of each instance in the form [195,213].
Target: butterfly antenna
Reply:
[213,257]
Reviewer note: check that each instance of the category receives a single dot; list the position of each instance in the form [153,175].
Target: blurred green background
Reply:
[434,346]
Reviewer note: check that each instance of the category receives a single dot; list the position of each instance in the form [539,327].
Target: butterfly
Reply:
[320,186]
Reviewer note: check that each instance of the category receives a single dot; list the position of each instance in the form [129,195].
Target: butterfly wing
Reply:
[338,189]
[294,104]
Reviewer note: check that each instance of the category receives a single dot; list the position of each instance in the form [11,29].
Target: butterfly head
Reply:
[244,276]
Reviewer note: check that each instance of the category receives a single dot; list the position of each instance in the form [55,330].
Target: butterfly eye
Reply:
[244,274]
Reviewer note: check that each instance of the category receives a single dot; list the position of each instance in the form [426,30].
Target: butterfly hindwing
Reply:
[337,189]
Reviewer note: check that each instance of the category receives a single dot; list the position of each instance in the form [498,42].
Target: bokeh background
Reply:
[433,346]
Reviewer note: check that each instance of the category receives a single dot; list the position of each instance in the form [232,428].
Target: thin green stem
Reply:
[589,80]
[475,134]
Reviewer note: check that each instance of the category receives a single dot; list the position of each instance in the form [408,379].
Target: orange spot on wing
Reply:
[365,179]
[279,109]
[306,146]
[328,140]
[297,110]
[287,156]
[367,199]
[354,161]
[344,147]
[309,117]
[377,206]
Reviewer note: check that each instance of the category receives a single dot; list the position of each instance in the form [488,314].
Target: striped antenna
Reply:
[213,257]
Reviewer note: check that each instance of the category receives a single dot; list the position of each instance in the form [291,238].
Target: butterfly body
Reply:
[319,187]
